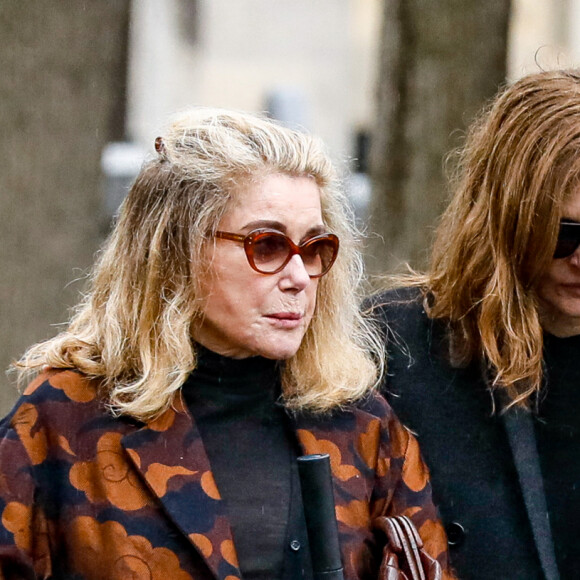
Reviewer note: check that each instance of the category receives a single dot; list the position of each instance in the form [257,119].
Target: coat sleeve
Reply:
[410,489]
[24,537]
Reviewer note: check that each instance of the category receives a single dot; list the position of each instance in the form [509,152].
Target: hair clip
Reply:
[160,146]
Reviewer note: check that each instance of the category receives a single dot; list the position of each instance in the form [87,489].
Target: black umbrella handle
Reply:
[318,502]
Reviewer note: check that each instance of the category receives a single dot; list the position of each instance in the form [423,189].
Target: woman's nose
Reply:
[575,257]
[294,274]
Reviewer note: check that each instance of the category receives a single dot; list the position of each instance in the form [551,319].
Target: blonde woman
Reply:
[219,340]
[484,348]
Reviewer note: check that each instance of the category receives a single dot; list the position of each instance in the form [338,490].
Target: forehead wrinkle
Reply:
[265,223]
[280,226]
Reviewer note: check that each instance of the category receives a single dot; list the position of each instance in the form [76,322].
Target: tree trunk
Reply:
[61,99]
[440,60]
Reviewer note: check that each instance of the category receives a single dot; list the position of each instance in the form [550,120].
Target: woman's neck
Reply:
[559,324]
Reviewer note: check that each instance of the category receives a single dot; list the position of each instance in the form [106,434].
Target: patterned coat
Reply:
[84,495]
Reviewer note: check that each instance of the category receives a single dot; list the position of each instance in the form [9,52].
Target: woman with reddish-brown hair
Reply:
[484,347]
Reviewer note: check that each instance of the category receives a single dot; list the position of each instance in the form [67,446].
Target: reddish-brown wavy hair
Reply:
[497,237]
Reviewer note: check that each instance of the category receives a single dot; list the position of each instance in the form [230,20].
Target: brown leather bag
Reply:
[403,554]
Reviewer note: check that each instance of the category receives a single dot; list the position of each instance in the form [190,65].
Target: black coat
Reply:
[465,445]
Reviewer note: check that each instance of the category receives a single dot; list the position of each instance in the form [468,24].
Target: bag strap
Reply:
[405,541]
[411,544]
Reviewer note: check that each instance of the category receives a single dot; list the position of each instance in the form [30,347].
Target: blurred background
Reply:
[390,85]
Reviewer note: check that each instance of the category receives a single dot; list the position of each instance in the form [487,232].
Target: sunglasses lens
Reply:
[568,240]
[319,255]
[565,248]
[270,251]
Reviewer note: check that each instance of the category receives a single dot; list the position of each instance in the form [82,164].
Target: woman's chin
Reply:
[278,353]
[279,349]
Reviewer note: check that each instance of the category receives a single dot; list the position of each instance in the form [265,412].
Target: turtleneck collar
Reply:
[217,373]
[554,342]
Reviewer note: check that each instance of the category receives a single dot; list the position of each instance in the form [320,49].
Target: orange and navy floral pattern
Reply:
[88,496]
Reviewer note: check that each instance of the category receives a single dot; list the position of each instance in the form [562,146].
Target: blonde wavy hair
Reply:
[133,329]
[497,237]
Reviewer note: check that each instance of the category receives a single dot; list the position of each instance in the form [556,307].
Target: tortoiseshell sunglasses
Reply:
[268,251]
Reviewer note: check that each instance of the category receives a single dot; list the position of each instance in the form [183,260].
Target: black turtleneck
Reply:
[558,440]
[252,453]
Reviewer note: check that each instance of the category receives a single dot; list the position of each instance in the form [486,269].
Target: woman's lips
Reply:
[285,319]
[572,289]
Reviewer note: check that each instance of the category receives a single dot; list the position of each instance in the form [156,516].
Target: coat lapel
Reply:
[169,455]
[519,426]
[349,469]
[335,435]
